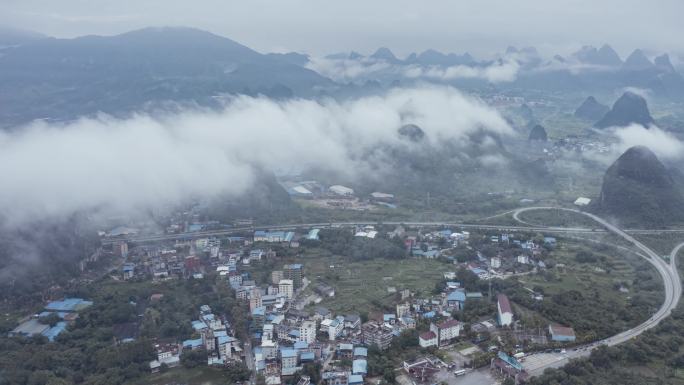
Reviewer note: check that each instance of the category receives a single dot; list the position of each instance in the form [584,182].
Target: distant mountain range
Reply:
[65,78]
[162,68]
[13,37]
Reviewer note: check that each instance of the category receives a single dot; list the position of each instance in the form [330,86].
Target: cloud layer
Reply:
[364,68]
[107,164]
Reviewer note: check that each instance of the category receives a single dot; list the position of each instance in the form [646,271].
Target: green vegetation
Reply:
[662,243]
[597,291]
[200,375]
[655,357]
[558,218]
[361,286]
[86,353]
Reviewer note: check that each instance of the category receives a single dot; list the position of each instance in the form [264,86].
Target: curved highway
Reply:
[671,282]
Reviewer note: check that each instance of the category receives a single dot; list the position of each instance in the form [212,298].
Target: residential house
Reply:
[427,339]
[561,333]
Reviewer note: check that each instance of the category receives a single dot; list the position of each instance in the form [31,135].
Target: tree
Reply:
[51,319]
[193,358]
[237,372]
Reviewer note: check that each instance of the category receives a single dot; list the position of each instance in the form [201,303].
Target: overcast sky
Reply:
[319,26]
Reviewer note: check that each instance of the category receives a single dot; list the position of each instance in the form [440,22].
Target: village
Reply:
[290,331]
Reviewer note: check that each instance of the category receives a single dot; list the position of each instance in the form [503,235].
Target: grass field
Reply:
[661,243]
[197,376]
[360,286]
[558,218]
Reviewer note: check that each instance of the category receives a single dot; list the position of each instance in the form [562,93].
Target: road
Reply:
[225,232]
[535,364]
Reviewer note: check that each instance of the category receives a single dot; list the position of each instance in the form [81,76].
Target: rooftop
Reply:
[504,304]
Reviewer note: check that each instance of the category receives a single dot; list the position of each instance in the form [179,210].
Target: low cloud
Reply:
[349,70]
[111,165]
[346,70]
[665,145]
[494,73]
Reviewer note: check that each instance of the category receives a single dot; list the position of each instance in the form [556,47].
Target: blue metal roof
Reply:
[359,367]
[355,379]
[301,345]
[192,343]
[259,311]
[55,330]
[68,305]
[198,325]
[288,353]
[510,360]
[307,356]
[360,351]
[224,340]
[456,295]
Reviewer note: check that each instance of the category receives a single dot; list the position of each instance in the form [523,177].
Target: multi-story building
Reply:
[276,276]
[334,327]
[255,299]
[307,332]
[286,288]
[373,333]
[295,273]
[446,330]
[403,309]
[288,362]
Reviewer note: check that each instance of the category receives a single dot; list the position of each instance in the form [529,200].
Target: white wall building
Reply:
[341,190]
[427,339]
[505,312]
[286,287]
[307,332]
[446,331]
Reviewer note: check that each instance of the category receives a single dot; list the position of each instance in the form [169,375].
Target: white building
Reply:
[333,326]
[341,190]
[382,196]
[427,339]
[505,312]
[495,262]
[307,332]
[403,309]
[582,201]
[524,259]
[286,287]
[446,330]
